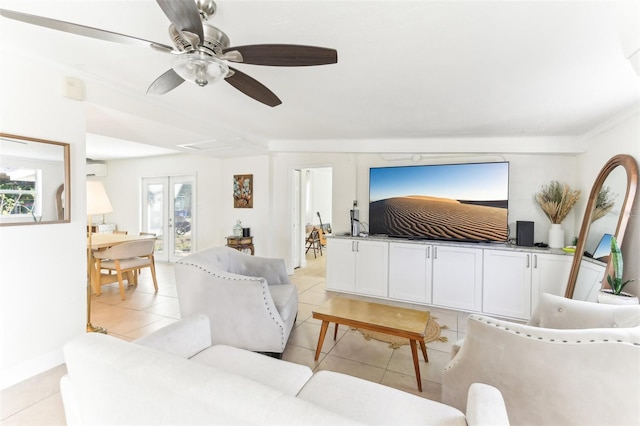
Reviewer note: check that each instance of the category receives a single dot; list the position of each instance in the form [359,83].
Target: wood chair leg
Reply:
[132,280]
[153,273]
[120,282]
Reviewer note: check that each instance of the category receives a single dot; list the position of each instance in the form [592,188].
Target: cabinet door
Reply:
[341,265]
[457,277]
[589,281]
[372,267]
[410,272]
[506,283]
[550,274]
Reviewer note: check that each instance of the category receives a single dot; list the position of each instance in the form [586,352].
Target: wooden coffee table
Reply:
[393,320]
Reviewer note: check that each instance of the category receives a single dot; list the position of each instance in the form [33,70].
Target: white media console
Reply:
[492,278]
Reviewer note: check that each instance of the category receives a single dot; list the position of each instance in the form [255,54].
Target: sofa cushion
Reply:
[284,376]
[373,403]
[137,385]
[184,338]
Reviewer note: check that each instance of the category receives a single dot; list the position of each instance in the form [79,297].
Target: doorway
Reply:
[168,211]
[312,207]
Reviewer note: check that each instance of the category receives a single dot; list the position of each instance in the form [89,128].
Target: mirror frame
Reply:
[67,179]
[630,166]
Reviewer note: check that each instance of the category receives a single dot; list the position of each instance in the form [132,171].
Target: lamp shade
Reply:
[97,200]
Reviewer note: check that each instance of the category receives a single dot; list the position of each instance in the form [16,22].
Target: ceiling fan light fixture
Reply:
[200,68]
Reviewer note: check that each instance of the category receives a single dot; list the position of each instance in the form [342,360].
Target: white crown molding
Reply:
[611,123]
[440,145]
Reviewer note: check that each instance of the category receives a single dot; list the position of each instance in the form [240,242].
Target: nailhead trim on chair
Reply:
[531,336]
[264,297]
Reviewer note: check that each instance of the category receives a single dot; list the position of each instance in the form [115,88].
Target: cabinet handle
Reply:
[353,245]
[528,260]
[429,252]
[357,245]
[435,253]
[535,261]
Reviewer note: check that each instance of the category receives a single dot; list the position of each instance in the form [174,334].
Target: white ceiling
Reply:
[415,71]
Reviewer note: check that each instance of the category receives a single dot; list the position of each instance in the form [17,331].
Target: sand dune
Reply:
[430,217]
[429,198]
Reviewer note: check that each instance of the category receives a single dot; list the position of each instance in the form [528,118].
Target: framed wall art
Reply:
[243,191]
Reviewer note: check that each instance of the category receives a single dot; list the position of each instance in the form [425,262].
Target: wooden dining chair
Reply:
[126,258]
[146,234]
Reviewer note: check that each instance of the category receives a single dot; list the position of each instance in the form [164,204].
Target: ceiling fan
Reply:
[201,50]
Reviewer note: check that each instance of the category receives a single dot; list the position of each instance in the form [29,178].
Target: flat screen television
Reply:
[457,202]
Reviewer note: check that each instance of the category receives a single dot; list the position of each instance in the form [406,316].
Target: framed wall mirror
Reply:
[34,181]
[617,183]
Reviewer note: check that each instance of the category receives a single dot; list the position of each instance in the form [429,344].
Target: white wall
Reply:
[43,280]
[123,184]
[351,182]
[343,188]
[259,218]
[619,137]
[216,215]
[319,199]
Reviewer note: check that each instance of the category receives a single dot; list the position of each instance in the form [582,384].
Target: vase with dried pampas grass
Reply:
[556,201]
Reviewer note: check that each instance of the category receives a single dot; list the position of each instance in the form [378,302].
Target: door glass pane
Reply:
[155,213]
[182,214]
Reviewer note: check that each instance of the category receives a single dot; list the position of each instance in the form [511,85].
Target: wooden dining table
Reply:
[101,242]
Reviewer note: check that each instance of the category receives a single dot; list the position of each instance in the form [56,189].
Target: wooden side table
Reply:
[241,243]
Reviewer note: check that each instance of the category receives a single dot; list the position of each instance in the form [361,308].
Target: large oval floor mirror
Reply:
[616,185]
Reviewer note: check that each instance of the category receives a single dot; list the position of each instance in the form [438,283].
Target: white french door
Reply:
[168,211]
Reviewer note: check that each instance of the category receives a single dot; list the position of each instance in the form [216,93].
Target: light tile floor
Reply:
[37,401]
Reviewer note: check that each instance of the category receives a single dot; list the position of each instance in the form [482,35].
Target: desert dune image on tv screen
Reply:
[462,202]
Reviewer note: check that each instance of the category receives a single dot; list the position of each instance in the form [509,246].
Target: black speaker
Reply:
[524,233]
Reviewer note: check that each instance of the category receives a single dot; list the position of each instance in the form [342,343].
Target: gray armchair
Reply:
[249,300]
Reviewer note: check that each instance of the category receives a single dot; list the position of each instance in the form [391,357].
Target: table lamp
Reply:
[97,203]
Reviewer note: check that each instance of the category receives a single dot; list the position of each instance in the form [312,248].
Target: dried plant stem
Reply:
[556,200]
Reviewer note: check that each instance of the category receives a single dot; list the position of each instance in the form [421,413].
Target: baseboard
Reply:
[14,374]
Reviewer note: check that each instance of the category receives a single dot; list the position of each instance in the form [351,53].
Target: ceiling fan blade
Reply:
[165,83]
[184,15]
[252,88]
[284,55]
[82,30]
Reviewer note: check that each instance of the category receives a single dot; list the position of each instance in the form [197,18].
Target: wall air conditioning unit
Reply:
[96,169]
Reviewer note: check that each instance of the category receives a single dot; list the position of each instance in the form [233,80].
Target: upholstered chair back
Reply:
[561,313]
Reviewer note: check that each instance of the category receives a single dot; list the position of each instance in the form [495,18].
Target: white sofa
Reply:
[250,300]
[575,363]
[174,376]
